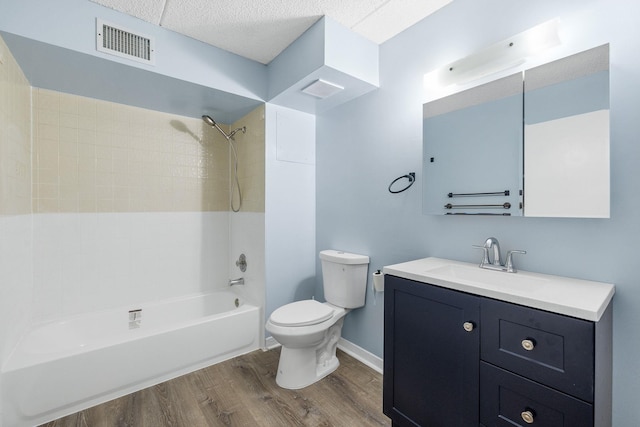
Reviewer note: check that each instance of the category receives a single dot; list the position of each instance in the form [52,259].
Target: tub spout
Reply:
[239,281]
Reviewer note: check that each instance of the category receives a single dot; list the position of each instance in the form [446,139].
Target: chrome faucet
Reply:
[492,243]
[494,262]
[239,281]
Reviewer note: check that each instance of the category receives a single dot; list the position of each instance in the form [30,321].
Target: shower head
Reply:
[208,120]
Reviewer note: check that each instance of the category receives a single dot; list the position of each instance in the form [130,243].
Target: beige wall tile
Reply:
[68,204]
[47,205]
[86,204]
[251,155]
[98,156]
[15,137]
[69,103]
[48,100]
[69,120]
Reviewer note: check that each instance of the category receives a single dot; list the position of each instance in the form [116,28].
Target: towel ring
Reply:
[411,176]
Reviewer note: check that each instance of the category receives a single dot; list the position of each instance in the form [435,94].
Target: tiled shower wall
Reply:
[98,156]
[16,281]
[15,137]
[132,205]
[251,154]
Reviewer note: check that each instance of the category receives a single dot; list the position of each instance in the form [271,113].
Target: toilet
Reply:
[309,330]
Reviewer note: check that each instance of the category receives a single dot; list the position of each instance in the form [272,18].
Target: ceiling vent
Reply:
[322,89]
[121,42]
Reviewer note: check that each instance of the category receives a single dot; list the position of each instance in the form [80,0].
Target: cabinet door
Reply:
[431,363]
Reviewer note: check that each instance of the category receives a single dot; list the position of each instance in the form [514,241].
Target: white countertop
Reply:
[583,299]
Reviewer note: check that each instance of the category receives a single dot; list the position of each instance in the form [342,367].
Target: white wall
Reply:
[290,252]
[16,285]
[247,236]
[16,288]
[86,262]
[16,261]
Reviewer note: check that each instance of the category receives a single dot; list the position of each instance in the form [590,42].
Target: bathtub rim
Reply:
[29,359]
[16,415]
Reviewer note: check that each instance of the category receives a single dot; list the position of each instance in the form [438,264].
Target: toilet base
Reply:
[301,367]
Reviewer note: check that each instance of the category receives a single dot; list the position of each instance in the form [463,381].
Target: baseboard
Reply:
[270,343]
[355,351]
[360,354]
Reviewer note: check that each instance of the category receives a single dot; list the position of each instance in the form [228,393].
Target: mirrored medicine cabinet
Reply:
[533,144]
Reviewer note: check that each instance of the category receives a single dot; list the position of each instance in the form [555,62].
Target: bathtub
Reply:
[62,367]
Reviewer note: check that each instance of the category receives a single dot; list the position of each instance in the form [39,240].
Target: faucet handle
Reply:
[509,263]
[485,256]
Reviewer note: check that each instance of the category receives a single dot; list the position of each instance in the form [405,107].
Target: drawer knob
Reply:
[468,326]
[528,344]
[527,417]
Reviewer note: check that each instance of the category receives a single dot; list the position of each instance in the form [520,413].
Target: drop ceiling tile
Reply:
[147,10]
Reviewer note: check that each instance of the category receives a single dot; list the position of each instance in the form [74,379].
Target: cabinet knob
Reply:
[468,326]
[528,344]
[527,417]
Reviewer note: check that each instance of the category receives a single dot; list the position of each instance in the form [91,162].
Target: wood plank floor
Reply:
[242,392]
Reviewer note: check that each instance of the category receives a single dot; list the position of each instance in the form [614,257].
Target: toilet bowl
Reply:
[309,330]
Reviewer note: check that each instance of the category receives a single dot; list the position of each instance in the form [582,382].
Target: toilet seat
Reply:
[301,313]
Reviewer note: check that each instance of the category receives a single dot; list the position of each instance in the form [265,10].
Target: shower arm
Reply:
[243,129]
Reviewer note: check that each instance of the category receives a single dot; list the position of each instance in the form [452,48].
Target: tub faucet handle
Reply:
[241,263]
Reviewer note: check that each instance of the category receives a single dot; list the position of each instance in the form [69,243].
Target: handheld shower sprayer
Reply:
[229,137]
[209,120]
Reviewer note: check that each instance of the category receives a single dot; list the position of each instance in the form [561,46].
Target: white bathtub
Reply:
[62,367]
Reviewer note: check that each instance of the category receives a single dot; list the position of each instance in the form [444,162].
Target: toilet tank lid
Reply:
[341,257]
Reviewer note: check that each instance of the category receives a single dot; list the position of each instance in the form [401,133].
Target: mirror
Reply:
[533,144]
[472,148]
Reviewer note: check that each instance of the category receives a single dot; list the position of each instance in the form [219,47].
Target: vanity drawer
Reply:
[549,348]
[509,400]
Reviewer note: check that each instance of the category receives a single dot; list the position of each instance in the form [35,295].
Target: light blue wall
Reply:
[327,51]
[363,145]
[55,45]
[299,59]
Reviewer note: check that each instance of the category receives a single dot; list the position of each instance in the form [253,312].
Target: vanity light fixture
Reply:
[508,53]
[322,89]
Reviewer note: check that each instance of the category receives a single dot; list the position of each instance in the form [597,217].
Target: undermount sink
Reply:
[583,299]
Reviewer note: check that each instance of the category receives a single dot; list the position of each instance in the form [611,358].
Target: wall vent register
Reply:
[119,41]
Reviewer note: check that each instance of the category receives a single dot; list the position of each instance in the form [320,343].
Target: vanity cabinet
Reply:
[456,359]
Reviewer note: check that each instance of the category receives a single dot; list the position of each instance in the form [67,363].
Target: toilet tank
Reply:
[344,278]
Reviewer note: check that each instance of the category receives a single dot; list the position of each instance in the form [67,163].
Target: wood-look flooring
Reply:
[242,392]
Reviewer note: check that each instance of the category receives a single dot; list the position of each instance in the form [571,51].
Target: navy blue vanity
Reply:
[467,347]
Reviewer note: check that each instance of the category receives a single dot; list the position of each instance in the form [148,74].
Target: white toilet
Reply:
[309,330]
